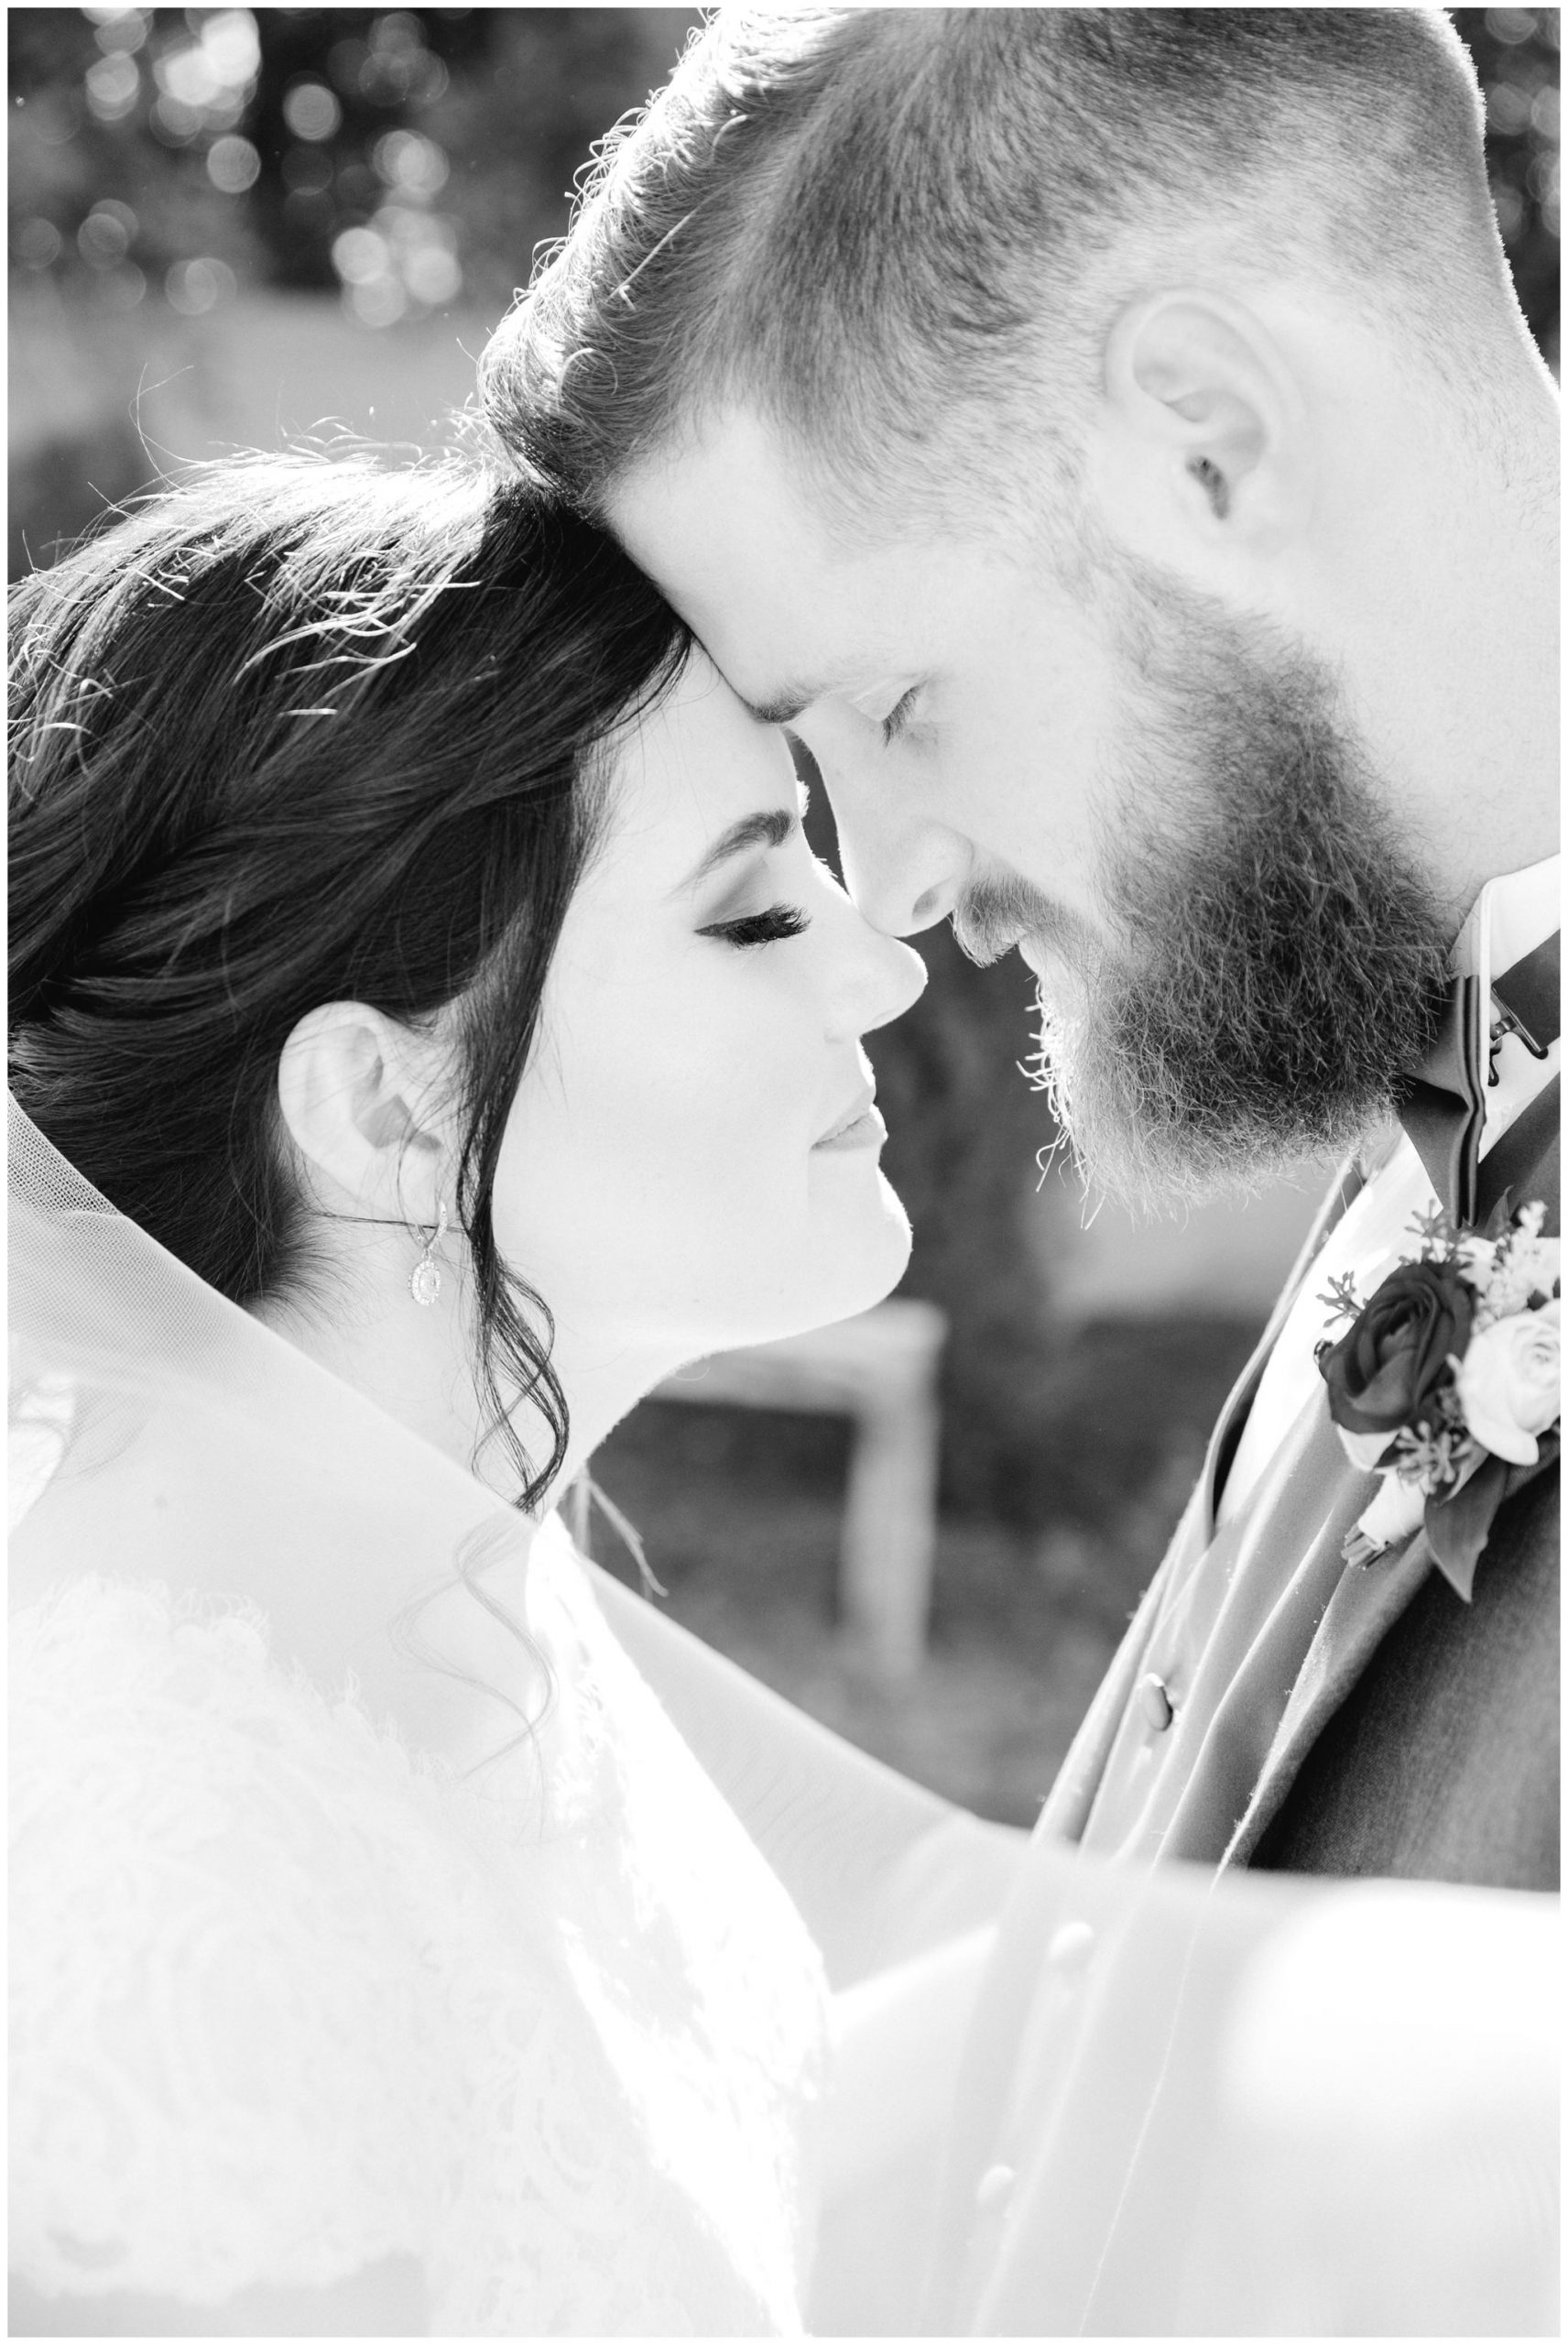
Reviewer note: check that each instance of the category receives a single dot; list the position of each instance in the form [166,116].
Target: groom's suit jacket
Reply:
[1273,1707]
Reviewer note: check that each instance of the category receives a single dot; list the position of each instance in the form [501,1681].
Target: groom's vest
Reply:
[1272,1705]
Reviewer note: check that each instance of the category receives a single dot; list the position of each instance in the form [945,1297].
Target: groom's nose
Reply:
[903,875]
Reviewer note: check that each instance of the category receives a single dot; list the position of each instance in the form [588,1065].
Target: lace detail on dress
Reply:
[286,2002]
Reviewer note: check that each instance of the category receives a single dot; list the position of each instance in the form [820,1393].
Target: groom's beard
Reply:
[1277,961]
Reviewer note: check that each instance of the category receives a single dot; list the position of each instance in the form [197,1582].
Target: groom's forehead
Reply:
[749,577]
[727,476]
[720,523]
[723,519]
[794,611]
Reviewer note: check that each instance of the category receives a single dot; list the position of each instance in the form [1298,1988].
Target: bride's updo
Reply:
[298,732]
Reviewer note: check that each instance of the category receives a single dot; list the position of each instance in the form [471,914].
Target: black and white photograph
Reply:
[784,1247]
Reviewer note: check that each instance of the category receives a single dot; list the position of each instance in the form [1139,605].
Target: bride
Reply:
[427,1028]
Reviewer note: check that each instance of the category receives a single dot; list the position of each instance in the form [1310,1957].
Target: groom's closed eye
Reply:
[899,715]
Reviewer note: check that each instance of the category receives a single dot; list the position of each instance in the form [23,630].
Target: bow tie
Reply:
[1443,1107]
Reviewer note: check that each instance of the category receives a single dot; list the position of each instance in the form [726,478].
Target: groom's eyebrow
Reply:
[770,828]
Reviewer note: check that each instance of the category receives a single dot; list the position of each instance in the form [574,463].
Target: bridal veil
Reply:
[1245,2105]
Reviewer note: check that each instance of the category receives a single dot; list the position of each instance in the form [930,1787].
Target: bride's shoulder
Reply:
[219,1959]
[166,1707]
[156,1742]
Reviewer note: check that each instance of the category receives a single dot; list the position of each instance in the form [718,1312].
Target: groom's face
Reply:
[1160,805]
[955,704]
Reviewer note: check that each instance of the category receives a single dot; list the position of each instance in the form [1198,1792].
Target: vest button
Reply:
[1154,1702]
[993,2185]
[1070,1947]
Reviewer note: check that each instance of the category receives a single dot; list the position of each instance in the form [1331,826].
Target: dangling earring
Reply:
[424,1279]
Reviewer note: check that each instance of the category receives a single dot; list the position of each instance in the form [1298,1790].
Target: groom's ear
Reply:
[1200,455]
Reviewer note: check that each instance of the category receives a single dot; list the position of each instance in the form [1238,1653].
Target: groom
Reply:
[1109,440]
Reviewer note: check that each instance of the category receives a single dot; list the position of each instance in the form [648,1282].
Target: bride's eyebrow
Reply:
[768,828]
[793,698]
[785,707]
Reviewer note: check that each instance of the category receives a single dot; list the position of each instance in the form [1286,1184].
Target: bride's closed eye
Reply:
[774,926]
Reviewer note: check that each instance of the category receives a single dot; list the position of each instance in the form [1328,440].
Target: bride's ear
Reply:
[1201,453]
[357,1091]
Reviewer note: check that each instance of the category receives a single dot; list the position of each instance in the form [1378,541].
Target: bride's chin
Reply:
[854,1262]
[849,1254]
[871,1253]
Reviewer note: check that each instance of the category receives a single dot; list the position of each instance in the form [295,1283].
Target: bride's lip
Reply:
[861,1127]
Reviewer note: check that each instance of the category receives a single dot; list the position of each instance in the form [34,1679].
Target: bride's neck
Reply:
[417,1364]
[374,1338]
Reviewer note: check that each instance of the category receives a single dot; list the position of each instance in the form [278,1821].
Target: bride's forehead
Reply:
[690,767]
[701,735]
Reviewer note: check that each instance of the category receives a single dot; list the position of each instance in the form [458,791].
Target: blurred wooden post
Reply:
[888,1542]
[880,1369]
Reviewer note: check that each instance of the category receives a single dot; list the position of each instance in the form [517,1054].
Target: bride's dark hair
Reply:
[297,732]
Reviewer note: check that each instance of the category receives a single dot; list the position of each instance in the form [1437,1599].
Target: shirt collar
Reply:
[1512,916]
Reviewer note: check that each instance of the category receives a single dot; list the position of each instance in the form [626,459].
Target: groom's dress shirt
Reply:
[1250,1648]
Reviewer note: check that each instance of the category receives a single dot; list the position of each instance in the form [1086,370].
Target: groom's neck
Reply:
[1461,668]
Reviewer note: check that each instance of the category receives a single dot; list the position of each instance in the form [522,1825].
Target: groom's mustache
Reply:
[993,915]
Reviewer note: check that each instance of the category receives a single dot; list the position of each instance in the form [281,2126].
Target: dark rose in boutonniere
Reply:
[1387,1371]
[1446,1384]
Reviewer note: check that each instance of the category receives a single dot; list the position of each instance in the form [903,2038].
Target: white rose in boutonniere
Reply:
[1509,1382]
[1506,1276]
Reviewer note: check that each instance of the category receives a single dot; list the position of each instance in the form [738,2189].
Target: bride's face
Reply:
[692,1160]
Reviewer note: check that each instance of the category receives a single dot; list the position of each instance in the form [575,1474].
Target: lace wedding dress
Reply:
[300,1983]
[286,2002]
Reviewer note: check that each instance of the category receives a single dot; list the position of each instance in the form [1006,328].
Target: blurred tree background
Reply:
[410,161]
[196,194]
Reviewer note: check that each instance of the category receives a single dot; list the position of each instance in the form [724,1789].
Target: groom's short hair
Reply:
[877,226]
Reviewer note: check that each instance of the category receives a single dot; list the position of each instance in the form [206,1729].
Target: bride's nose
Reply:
[878,977]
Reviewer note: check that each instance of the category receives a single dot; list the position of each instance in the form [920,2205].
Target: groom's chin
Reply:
[1157,1164]
[1157,1174]
[1132,1147]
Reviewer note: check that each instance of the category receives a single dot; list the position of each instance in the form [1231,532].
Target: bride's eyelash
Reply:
[774,926]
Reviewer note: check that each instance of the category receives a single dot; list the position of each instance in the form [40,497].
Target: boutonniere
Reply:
[1447,1383]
